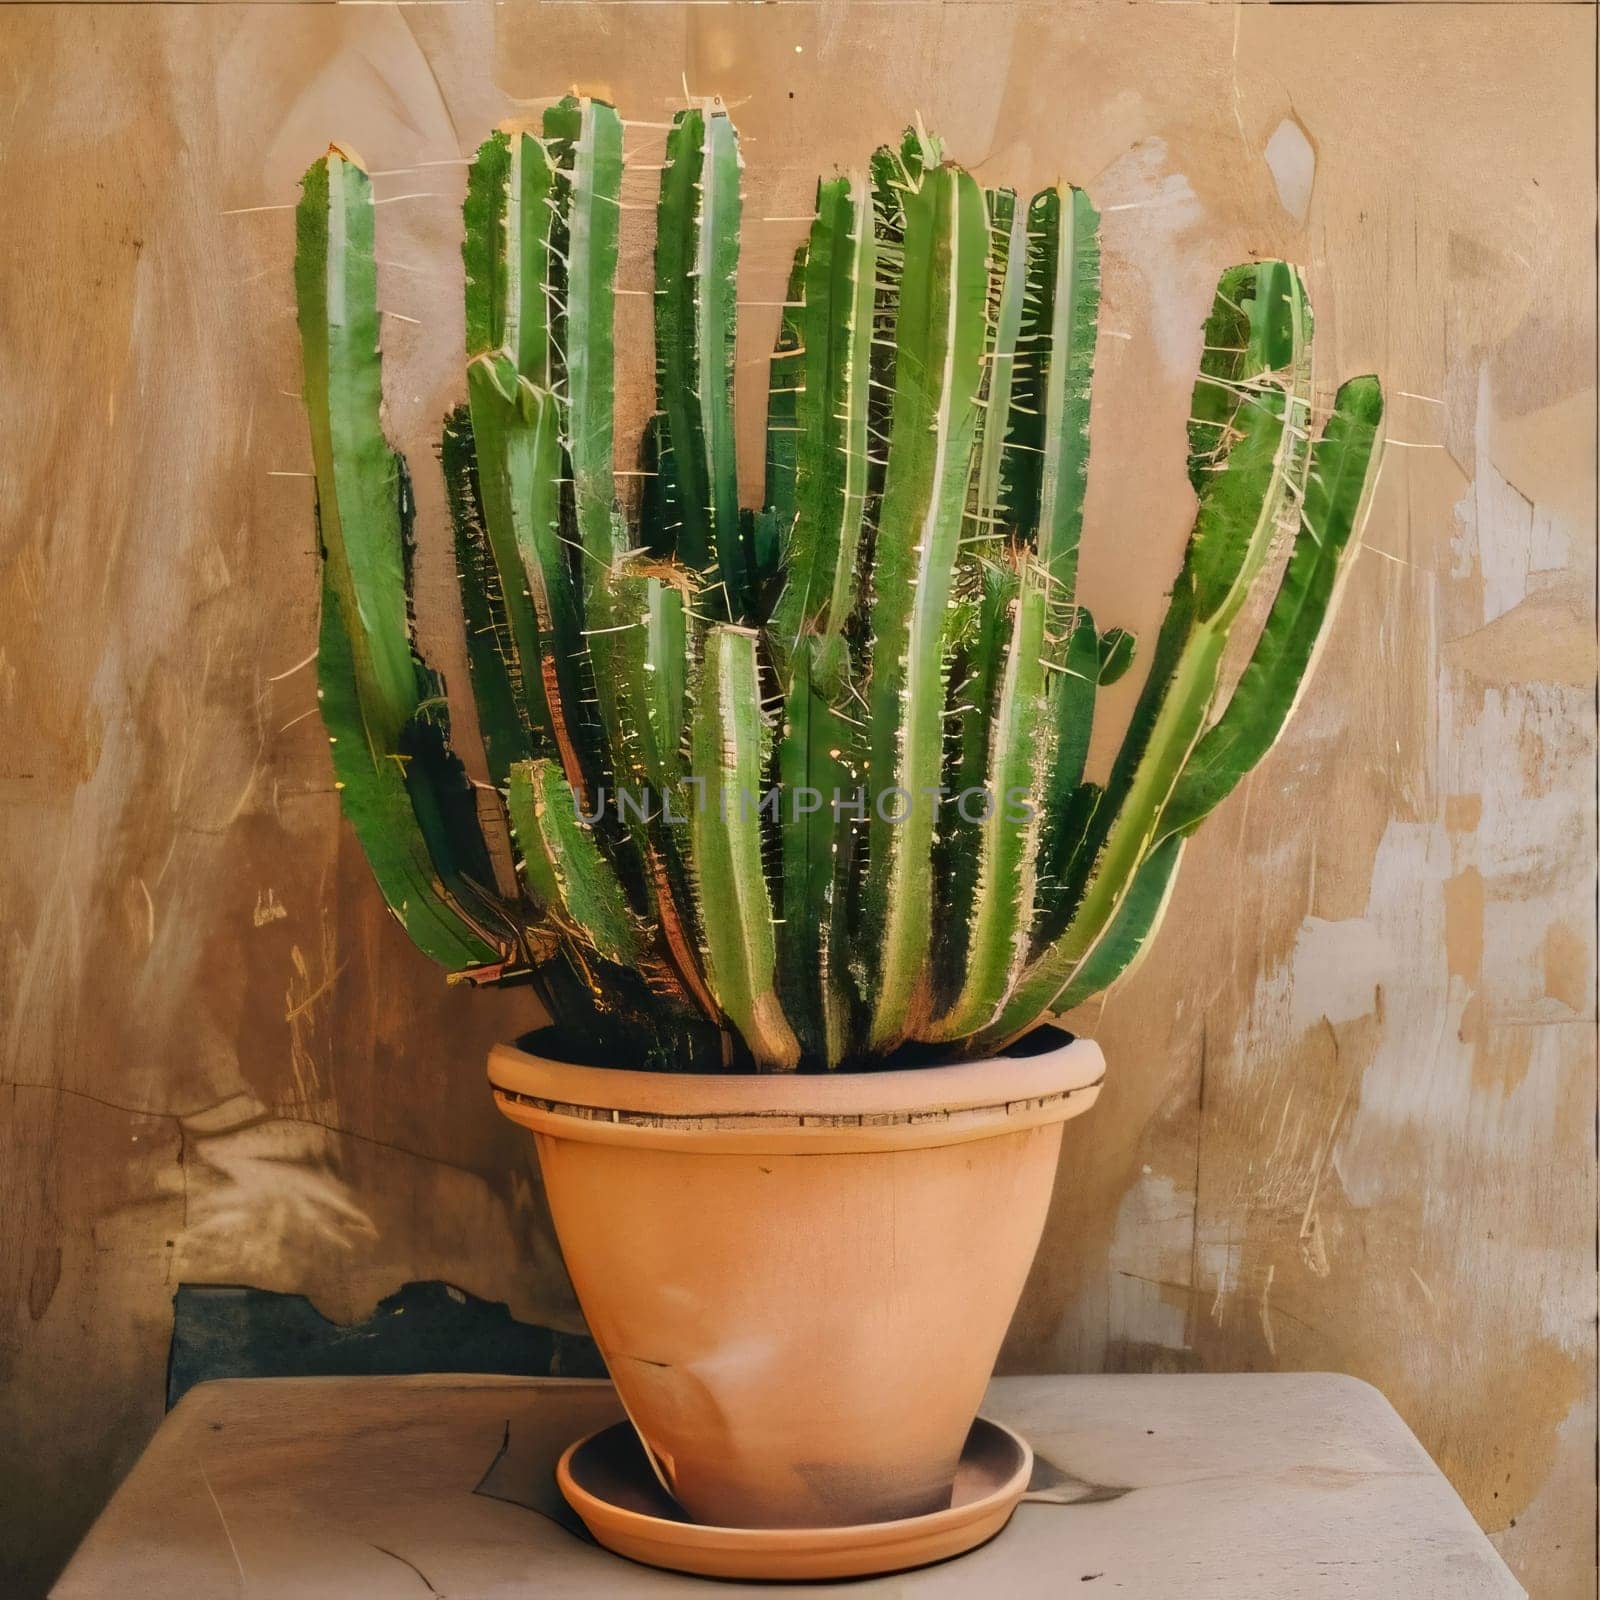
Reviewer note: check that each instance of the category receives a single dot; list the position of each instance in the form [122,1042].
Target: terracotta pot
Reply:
[800,1283]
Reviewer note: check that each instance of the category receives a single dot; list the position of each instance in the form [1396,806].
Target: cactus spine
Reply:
[798,785]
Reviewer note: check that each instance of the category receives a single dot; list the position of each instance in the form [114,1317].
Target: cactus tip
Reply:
[343,152]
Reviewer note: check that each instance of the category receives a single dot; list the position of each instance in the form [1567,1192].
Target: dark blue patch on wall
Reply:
[221,1331]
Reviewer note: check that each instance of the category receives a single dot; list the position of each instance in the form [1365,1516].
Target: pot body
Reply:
[800,1284]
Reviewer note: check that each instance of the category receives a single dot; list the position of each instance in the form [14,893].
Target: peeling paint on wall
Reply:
[1293,164]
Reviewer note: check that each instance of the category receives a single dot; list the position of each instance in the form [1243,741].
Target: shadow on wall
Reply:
[227,1331]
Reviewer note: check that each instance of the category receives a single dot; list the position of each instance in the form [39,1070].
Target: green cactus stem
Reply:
[372,688]
[564,865]
[939,345]
[830,411]
[803,785]
[697,262]
[585,138]
[730,758]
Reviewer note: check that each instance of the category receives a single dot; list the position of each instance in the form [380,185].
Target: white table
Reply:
[1246,1487]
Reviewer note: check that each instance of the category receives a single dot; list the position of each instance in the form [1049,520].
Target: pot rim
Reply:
[811,1113]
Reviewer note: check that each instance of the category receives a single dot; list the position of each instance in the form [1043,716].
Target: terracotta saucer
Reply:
[607,1480]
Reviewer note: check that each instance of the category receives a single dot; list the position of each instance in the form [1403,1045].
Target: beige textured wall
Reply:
[1350,1116]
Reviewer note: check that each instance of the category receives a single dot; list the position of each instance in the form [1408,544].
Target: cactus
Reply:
[799,785]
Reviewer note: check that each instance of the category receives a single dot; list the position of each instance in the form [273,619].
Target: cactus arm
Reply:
[587,137]
[890,183]
[1072,226]
[1070,693]
[897,170]
[387,755]
[675,436]
[1009,291]
[564,866]
[1047,451]
[717,267]
[641,641]
[1131,929]
[1247,458]
[979,621]
[376,795]
[517,418]
[1030,476]
[667,654]
[483,253]
[1343,472]
[517,427]
[485,256]
[588,140]
[1344,468]
[616,614]
[697,257]
[939,338]
[446,808]
[687,961]
[505,253]
[358,476]
[817,760]
[522,623]
[641,644]
[491,659]
[657,502]
[1072,701]
[1019,755]
[1091,660]
[1062,866]
[728,739]
[764,536]
[979,656]
[786,376]
[532,462]
[831,414]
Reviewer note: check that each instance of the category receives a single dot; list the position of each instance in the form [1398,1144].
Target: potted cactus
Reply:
[805,853]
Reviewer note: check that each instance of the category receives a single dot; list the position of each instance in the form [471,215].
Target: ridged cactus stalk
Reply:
[798,786]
